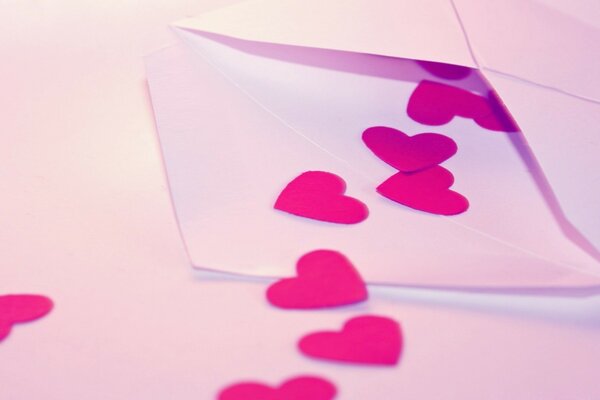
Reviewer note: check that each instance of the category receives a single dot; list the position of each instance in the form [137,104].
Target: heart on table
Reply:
[426,190]
[434,103]
[366,339]
[320,195]
[299,388]
[325,278]
[408,153]
[20,308]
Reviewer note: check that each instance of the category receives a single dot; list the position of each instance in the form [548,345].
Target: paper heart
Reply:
[300,388]
[320,195]
[434,103]
[408,153]
[445,71]
[19,308]
[364,340]
[325,279]
[425,190]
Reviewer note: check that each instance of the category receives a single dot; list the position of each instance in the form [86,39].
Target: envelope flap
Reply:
[423,30]
[535,42]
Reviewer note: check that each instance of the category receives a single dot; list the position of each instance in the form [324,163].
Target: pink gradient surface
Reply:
[87,220]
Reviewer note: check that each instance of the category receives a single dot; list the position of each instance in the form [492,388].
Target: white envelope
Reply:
[261,91]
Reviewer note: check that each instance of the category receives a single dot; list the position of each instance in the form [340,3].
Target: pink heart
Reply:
[445,71]
[320,195]
[325,279]
[408,153]
[18,308]
[434,103]
[300,388]
[364,340]
[425,190]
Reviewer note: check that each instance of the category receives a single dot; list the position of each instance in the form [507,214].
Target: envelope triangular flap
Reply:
[385,27]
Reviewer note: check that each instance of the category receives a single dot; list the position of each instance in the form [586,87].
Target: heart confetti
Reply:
[299,388]
[325,279]
[408,153]
[445,71]
[320,195]
[434,103]
[19,308]
[364,340]
[425,190]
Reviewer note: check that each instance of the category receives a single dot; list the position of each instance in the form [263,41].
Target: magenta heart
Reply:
[364,340]
[425,190]
[19,308]
[445,71]
[434,103]
[325,279]
[320,195]
[300,388]
[408,153]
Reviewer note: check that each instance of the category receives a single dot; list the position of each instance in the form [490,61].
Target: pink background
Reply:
[86,219]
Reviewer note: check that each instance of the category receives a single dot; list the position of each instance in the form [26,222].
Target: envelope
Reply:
[259,92]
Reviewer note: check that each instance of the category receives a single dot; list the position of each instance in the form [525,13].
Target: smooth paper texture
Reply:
[386,27]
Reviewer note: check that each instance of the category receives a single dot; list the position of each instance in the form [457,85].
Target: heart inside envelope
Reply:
[300,388]
[320,195]
[408,153]
[434,103]
[426,190]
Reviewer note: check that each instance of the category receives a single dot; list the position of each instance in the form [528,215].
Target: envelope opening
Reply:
[376,65]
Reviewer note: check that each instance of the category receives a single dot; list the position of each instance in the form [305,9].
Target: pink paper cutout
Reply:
[19,308]
[434,103]
[408,153]
[320,195]
[366,339]
[326,278]
[426,190]
[299,388]
[445,71]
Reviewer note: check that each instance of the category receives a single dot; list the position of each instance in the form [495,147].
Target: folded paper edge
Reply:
[463,54]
